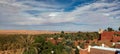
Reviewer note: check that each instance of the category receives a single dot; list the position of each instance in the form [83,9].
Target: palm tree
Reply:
[28,45]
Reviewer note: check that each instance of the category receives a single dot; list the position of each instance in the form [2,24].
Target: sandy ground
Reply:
[27,32]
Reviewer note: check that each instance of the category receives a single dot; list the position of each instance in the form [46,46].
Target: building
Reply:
[99,50]
[103,50]
[110,36]
[54,41]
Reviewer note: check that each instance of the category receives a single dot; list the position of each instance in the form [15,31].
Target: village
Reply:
[59,26]
[108,43]
[101,42]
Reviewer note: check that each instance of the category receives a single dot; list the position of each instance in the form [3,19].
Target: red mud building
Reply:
[111,36]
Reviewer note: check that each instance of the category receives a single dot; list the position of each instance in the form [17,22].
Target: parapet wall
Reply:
[99,51]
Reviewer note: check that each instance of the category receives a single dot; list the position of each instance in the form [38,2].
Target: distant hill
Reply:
[27,32]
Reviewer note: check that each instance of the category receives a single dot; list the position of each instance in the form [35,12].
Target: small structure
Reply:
[76,43]
[59,40]
[84,51]
[117,45]
[52,40]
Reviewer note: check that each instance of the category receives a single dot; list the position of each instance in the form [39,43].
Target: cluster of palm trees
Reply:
[36,44]
[28,45]
[21,45]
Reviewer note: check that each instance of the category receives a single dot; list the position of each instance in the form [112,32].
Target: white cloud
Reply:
[53,14]
[12,12]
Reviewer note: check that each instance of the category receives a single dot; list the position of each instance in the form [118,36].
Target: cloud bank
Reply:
[69,15]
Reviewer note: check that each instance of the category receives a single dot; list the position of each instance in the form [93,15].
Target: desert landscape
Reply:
[27,32]
[59,26]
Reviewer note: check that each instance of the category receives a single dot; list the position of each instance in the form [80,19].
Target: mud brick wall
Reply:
[100,51]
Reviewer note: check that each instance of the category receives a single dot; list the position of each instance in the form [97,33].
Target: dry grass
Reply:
[16,51]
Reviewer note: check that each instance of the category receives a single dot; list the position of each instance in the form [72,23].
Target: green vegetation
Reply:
[37,44]
[119,29]
[110,29]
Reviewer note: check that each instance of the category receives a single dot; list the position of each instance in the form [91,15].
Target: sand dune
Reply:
[26,32]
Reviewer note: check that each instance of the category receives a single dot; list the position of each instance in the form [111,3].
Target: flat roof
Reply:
[117,43]
[105,48]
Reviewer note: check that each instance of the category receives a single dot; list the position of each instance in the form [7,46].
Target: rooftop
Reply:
[105,48]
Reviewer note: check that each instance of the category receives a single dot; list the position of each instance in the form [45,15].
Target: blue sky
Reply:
[67,15]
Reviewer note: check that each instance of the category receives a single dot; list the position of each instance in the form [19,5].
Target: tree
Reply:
[110,29]
[62,32]
[28,45]
[45,47]
[119,28]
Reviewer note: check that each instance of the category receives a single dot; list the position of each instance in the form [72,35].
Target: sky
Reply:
[58,15]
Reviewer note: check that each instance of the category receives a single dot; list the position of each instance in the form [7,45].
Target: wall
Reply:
[110,36]
[83,51]
[116,39]
[99,51]
[107,36]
